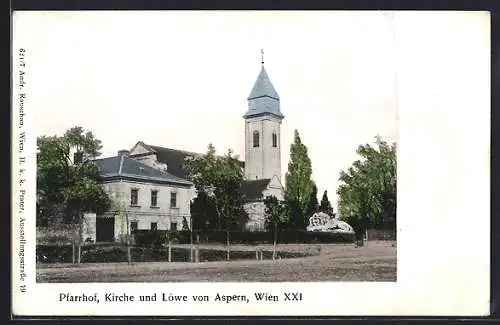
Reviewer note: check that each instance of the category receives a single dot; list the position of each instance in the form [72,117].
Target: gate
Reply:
[105,229]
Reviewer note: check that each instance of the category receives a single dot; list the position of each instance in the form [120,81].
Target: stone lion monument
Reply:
[321,221]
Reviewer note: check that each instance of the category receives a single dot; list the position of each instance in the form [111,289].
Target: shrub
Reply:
[148,238]
[117,254]
[284,237]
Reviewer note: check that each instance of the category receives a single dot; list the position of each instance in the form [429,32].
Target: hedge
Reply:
[158,238]
[284,237]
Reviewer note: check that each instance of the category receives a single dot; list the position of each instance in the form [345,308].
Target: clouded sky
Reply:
[181,79]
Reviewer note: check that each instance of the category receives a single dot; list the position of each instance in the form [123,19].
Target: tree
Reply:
[367,193]
[185,224]
[203,213]
[276,215]
[298,184]
[313,205]
[119,207]
[68,188]
[325,205]
[220,178]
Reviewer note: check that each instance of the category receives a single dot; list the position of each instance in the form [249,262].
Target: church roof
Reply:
[263,87]
[253,189]
[173,158]
[123,167]
[263,99]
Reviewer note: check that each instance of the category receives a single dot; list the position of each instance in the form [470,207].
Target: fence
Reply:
[116,253]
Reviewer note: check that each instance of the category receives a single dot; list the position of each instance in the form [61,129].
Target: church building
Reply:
[262,165]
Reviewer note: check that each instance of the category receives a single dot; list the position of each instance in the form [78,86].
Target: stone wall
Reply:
[89,227]
[59,235]
[65,233]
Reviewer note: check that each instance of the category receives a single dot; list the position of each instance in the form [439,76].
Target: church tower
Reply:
[263,130]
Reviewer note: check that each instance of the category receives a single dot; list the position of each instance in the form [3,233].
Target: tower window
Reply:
[255,139]
[275,140]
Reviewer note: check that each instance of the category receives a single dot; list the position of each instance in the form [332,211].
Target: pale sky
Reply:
[181,79]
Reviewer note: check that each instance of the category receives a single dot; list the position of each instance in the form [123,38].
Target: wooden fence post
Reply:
[197,254]
[73,255]
[169,251]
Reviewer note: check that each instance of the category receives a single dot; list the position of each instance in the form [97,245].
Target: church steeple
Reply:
[263,87]
[263,130]
[263,98]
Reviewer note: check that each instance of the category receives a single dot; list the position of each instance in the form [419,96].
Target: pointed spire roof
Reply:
[263,99]
[263,87]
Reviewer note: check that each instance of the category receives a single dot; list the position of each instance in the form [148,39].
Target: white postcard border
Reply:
[439,273]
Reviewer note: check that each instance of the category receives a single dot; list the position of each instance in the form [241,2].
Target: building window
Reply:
[173,199]
[255,139]
[134,193]
[173,226]
[154,226]
[275,140]
[133,227]
[154,198]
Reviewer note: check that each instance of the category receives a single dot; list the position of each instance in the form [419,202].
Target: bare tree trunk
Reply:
[169,251]
[129,254]
[191,238]
[275,240]
[79,253]
[80,235]
[74,241]
[73,247]
[227,244]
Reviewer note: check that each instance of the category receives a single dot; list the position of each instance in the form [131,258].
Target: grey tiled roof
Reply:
[263,87]
[174,159]
[122,167]
[263,98]
[252,189]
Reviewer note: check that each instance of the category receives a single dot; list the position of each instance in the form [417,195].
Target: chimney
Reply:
[124,152]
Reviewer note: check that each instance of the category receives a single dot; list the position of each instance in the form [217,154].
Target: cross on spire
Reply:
[262,56]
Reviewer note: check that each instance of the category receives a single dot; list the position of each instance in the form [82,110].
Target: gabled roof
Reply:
[173,158]
[263,87]
[122,167]
[252,189]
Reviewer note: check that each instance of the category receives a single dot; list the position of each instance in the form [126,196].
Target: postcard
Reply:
[250,163]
